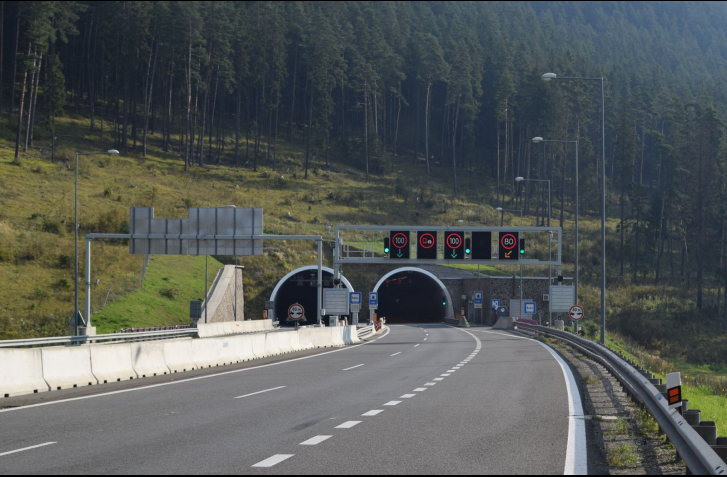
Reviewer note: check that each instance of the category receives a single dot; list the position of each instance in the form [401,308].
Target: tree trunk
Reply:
[310,126]
[366,129]
[454,146]
[34,100]
[149,90]
[212,115]
[189,101]
[396,136]
[291,113]
[2,33]
[426,125]
[20,113]
[15,63]
[660,252]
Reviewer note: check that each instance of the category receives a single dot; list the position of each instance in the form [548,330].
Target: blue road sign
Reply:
[494,303]
[355,298]
[373,299]
[530,308]
[478,297]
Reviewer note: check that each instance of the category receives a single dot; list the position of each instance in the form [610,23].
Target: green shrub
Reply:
[52,226]
[6,255]
[65,261]
[170,293]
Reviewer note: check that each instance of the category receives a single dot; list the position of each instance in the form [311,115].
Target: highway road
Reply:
[423,399]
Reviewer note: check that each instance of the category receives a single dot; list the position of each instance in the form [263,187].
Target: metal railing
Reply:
[79,340]
[367,330]
[696,453]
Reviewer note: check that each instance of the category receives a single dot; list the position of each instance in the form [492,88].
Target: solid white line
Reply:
[353,367]
[576,458]
[372,413]
[418,390]
[396,353]
[182,381]
[274,460]
[27,448]
[392,403]
[407,396]
[314,441]
[260,392]
[348,424]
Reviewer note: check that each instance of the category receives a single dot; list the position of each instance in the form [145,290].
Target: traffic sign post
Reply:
[529,308]
[427,245]
[454,246]
[494,303]
[508,246]
[399,245]
[355,299]
[373,305]
[477,299]
[576,313]
[296,313]
[674,390]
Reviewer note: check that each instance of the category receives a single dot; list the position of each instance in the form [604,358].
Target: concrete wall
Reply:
[221,297]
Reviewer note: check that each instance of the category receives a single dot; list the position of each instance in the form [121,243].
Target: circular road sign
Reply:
[400,240]
[296,312]
[576,313]
[427,240]
[454,241]
[508,241]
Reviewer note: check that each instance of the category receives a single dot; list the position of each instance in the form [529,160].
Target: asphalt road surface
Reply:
[424,399]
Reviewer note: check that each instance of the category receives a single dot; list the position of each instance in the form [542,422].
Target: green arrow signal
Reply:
[400,254]
[454,255]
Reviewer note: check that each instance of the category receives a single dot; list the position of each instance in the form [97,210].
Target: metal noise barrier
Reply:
[121,337]
[696,453]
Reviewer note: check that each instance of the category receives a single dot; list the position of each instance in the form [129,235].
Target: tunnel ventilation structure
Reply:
[299,286]
[413,295]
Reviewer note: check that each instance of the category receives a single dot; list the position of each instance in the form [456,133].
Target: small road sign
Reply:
[296,312]
[674,390]
[373,300]
[576,313]
[494,304]
[355,298]
[529,308]
[478,297]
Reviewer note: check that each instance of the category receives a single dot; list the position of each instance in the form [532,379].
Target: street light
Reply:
[502,214]
[77,312]
[548,77]
[550,209]
[537,140]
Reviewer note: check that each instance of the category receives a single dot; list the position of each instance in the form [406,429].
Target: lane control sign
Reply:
[296,312]
[508,246]
[576,313]
[399,245]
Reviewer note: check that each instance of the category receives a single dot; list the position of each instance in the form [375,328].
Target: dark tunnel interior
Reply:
[412,297]
[300,288]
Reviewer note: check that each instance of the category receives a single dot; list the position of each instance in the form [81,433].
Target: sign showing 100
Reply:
[400,244]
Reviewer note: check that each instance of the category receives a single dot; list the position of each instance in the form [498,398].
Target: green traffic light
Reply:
[522,252]
[467,251]
[386,250]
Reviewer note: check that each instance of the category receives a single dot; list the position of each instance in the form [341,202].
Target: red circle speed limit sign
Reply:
[296,312]
[454,241]
[508,241]
[400,241]
[576,313]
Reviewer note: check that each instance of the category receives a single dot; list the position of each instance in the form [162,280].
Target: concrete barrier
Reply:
[268,325]
[242,345]
[504,324]
[258,345]
[322,337]
[306,341]
[272,344]
[111,363]
[67,367]
[147,358]
[337,335]
[21,372]
[284,341]
[258,325]
[559,325]
[350,336]
[178,355]
[211,352]
[295,341]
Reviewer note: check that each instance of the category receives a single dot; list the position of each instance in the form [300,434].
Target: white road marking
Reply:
[430,384]
[416,345]
[425,339]
[418,390]
[438,379]
[407,396]
[451,370]
[396,353]
[445,375]
[260,392]
[27,448]
[182,381]
[348,425]
[274,460]
[373,413]
[576,458]
[353,367]
[314,441]
[456,367]
[392,403]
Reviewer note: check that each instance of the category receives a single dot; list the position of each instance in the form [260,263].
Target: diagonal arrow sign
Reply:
[508,254]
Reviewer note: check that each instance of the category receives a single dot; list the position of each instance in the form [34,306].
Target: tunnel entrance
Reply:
[413,295]
[299,286]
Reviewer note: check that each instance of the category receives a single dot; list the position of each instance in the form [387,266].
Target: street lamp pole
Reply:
[77,317]
[551,76]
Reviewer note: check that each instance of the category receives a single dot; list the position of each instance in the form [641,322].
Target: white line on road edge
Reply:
[27,448]
[260,392]
[373,413]
[576,458]
[353,367]
[348,424]
[314,441]
[182,381]
[392,403]
[274,460]
[396,353]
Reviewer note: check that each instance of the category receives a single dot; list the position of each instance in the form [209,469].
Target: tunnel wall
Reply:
[276,290]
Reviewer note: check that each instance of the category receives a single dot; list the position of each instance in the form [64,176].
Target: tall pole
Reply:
[77,312]
[206,290]
[575,278]
[603,216]
[320,280]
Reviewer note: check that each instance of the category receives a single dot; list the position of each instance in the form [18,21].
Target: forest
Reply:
[453,86]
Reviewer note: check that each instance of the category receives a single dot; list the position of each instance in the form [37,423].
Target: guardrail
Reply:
[367,330]
[78,340]
[698,455]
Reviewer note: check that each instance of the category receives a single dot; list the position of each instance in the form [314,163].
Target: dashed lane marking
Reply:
[392,403]
[407,396]
[396,353]
[373,413]
[274,460]
[260,392]
[314,441]
[353,367]
[418,390]
[438,379]
[27,448]
[348,425]
[430,384]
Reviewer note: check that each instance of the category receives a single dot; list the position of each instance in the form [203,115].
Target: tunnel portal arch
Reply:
[285,295]
[424,295]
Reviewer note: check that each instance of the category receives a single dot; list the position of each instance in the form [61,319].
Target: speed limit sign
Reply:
[576,313]
[296,312]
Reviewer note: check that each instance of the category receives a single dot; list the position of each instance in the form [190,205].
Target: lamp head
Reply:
[112,151]
[519,179]
[499,209]
[537,139]
[549,76]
